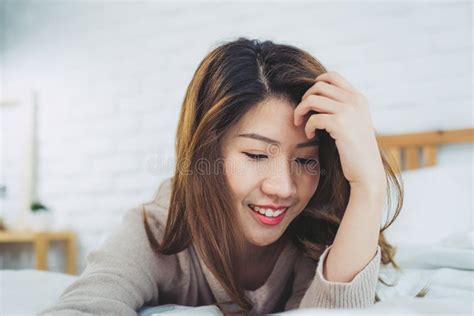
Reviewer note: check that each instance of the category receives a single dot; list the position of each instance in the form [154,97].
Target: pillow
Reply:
[437,204]
[27,292]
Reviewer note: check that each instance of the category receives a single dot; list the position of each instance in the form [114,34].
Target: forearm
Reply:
[356,240]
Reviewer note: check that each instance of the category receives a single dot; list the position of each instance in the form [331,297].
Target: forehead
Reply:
[272,118]
[272,112]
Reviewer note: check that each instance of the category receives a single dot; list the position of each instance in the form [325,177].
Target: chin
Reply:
[263,241]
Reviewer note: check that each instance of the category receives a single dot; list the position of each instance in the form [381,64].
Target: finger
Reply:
[328,90]
[316,103]
[338,80]
[318,121]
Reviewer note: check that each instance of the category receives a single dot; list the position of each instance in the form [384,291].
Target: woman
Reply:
[276,200]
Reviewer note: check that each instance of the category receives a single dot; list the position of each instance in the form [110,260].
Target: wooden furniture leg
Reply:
[41,251]
[71,259]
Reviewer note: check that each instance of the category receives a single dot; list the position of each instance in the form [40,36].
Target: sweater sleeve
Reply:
[120,276]
[358,293]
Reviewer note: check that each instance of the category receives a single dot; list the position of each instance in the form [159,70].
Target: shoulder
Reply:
[163,194]
[131,229]
[155,212]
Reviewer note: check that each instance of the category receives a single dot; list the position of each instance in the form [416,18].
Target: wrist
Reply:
[370,187]
[375,191]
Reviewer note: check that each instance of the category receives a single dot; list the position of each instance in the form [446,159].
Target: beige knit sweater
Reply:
[124,274]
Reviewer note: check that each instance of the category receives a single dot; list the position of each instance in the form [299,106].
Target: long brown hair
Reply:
[231,79]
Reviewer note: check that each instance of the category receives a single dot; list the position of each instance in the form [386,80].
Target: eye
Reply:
[255,156]
[305,161]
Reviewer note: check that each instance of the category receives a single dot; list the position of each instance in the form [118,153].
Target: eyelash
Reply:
[259,157]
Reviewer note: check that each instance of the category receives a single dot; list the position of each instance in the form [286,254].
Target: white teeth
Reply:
[278,212]
[268,212]
[262,211]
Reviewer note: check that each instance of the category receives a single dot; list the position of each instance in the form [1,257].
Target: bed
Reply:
[434,237]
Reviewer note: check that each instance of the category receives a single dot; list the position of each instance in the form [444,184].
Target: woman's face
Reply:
[270,164]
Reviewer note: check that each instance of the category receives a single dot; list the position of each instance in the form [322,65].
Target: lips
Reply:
[267,220]
[273,207]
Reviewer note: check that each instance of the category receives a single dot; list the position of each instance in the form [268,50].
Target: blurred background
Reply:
[90,92]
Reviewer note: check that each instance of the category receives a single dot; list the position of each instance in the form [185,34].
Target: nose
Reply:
[280,183]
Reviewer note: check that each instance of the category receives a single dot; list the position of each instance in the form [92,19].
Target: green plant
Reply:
[38,207]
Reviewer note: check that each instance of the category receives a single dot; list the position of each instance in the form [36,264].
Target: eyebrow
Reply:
[311,142]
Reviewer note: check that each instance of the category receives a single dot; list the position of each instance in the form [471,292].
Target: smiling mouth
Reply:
[268,212]
[268,217]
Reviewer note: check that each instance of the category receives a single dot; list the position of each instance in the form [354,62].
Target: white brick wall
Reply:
[111,77]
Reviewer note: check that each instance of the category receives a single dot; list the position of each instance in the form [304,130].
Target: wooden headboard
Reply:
[417,150]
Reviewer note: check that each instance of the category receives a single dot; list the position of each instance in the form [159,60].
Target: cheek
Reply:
[240,178]
[309,184]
